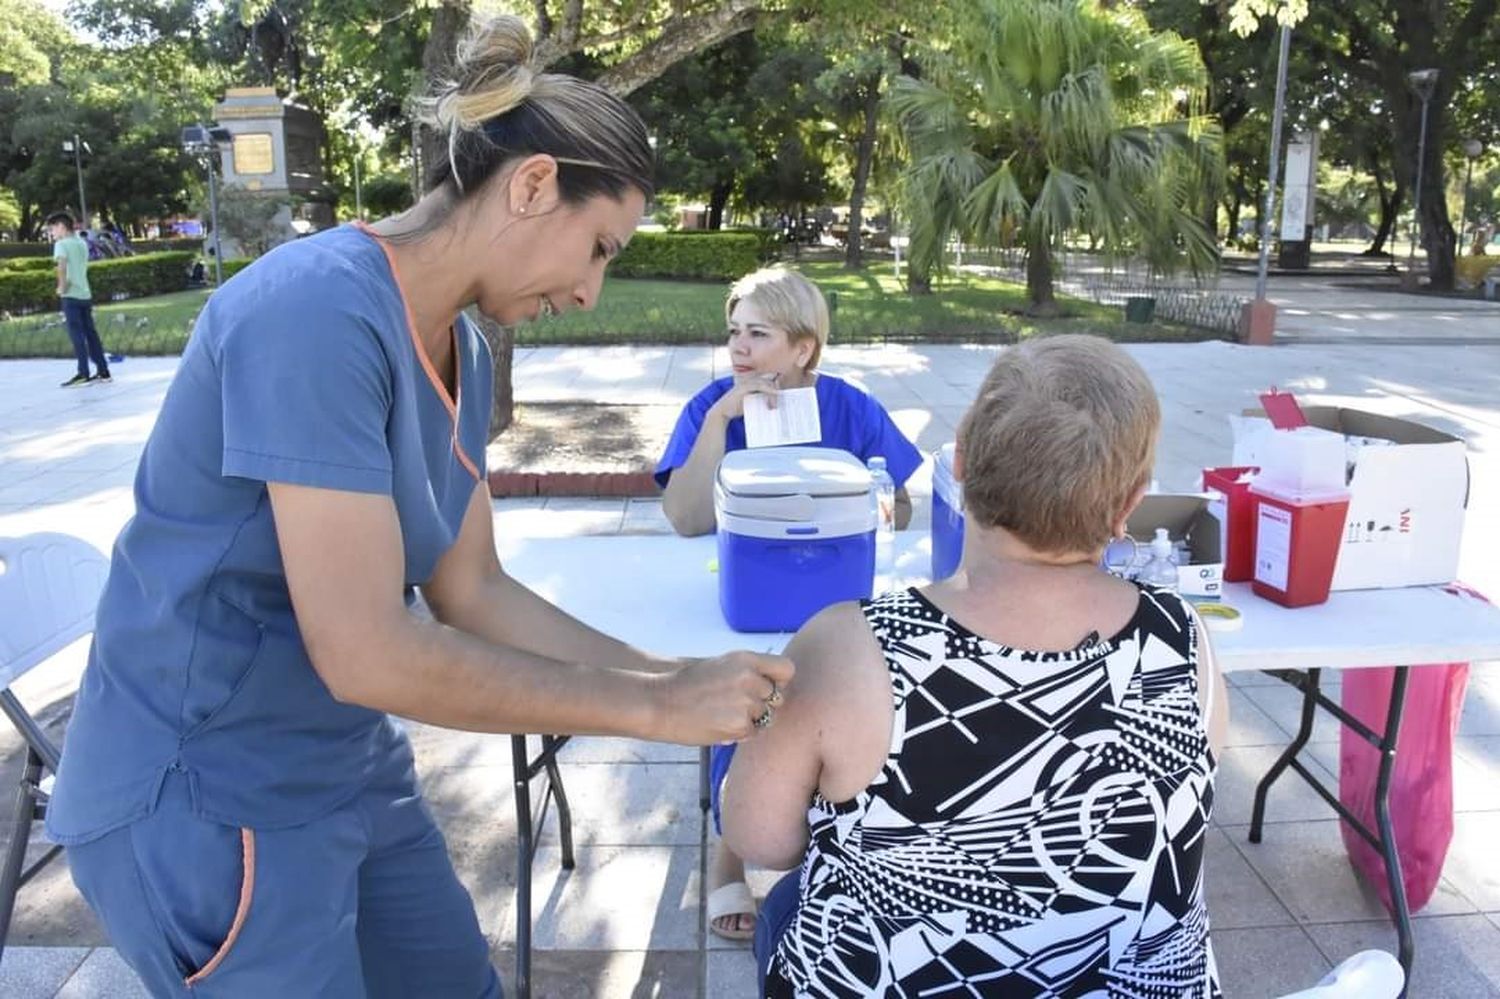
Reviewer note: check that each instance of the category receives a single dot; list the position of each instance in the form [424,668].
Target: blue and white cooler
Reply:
[796,534]
[947,515]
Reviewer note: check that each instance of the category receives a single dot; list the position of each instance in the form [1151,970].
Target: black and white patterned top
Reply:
[1037,829]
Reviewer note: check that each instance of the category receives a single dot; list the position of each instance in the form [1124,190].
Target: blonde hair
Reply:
[789,301]
[1061,436]
[493,107]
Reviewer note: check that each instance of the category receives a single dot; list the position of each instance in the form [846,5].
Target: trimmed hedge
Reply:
[25,250]
[26,264]
[233,266]
[720,256]
[130,277]
[193,244]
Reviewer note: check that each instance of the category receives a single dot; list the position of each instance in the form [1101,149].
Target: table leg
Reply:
[703,767]
[1304,732]
[522,789]
[1383,838]
[1407,946]
[550,745]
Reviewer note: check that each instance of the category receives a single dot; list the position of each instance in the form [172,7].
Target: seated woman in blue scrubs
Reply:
[778,327]
[238,805]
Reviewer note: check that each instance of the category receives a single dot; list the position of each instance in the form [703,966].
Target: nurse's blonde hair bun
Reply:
[491,75]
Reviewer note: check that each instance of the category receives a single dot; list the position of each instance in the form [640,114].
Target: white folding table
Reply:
[661,593]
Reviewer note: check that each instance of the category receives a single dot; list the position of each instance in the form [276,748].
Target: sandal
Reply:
[733,899]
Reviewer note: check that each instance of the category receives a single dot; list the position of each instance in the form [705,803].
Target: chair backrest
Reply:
[49,588]
[1370,974]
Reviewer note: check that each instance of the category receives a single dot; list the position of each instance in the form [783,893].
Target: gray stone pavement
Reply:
[627,922]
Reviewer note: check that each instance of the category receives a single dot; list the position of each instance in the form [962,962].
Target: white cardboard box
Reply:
[1184,516]
[1406,506]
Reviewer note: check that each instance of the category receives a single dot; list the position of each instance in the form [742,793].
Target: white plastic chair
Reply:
[49,587]
[1370,974]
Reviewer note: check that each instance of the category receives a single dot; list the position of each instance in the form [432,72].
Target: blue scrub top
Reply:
[851,418]
[304,369]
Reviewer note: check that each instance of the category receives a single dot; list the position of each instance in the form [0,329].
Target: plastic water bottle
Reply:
[1161,569]
[883,496]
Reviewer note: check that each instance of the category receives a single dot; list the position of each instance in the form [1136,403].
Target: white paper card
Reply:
[1273,546]
[795,419]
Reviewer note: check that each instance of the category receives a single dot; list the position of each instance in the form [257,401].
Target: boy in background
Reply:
[72,256]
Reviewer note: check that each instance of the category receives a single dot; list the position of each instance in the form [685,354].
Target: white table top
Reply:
[661,594]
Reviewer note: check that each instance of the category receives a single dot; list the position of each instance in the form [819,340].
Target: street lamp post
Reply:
[1422,82]
[201,139]
[1269,207]
[77,148]
[1472,149]
[1258,319]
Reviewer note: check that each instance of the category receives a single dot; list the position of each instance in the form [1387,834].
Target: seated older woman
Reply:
[999,784]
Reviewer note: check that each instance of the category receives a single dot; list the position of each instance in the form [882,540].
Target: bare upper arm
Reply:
[344,565]
[814,743]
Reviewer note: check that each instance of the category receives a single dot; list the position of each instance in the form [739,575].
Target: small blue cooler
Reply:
[796,534]
[947,515]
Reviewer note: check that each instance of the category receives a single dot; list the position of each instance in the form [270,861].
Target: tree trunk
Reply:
[1233,210]
[917,282]
[449,22]
[717,199]
[1440,242]
[1039,278]
[1390,207]
[864,156]
[502,341]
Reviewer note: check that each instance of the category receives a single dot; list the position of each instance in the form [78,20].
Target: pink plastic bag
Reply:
[1421,791]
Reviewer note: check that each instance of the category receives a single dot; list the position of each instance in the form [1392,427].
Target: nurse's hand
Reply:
[709,701]
[732,403]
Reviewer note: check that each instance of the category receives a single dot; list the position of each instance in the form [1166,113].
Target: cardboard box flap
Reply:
[1361,424]
[1182,516]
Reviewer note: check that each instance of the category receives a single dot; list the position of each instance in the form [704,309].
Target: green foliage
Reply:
[8,250]
[15,264]
[722,256]
[1051,117]
[31,38]
[233,267]
[10,211]
[387,194]
[1245,15]
[27,291]
[250,217]
[128,277]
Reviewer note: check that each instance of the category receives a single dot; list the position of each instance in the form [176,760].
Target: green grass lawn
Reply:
[868,306]
[156,325]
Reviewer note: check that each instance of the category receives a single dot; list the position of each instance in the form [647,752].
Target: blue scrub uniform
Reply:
[852,420]
[238,830]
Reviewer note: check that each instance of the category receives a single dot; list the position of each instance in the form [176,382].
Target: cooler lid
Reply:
[789,471]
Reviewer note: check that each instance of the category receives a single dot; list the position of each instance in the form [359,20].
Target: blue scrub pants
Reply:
[361,902]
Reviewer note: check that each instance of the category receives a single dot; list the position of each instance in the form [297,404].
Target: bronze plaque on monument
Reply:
[254,153]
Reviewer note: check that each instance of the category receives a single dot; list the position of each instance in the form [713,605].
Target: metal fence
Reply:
[1198,305]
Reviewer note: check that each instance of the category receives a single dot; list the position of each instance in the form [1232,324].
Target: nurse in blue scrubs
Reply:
[239,808]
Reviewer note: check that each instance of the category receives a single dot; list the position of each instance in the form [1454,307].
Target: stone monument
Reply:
[276,147]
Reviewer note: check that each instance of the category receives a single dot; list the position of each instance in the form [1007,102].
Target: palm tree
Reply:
[1049,117]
